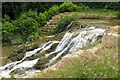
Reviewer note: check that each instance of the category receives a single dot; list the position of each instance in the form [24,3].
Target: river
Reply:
[63,44]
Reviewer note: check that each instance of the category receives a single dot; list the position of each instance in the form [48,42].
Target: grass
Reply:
[106,67]
[88,68]
[99,11]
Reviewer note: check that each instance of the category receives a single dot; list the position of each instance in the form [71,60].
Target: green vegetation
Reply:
[29,25]
[99,11]
[27,21]
[7,30]
[105,67]
[68,7]
[118,15]
[63,23]
[14,9]
[53,11]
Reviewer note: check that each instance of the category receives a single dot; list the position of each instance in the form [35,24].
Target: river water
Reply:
[71,41]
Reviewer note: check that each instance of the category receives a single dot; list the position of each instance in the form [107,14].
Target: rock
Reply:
[111,38]
[18,54]
[20,48]
[31,46]
[108,17]
[13,57]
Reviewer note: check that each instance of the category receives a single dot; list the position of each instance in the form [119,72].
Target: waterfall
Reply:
[70,42]
[62,44]
[8,68]
[44,47]
[25,64]
[83,39]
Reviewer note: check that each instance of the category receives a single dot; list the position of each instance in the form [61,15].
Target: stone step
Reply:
[55,19]
[53,23]
[46,25]
[52,26]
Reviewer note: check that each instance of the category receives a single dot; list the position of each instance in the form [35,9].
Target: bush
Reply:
[34,35]
[42,19]
[7,32]
[68,7]
[118,15]
[53,11]
[63,23]
[47,15]
[30,13]
[27,25]
[6,19]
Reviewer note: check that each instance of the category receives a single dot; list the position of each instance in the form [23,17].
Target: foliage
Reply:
[42,19]
[68,7]
[47,15]
[102,5]
[6,19]
[34,35]
[7,32]
[27,25]
[53,11]
[82,6]
[118,15]
[30,13]
[63,23]
[13,9]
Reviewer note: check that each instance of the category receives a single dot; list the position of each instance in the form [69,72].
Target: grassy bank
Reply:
[100,11]
[105,67]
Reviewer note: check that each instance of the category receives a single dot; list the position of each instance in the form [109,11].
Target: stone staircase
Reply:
[52,23]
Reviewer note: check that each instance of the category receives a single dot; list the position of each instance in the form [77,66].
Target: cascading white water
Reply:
[67,37]
[69,43]
[25,64]
[41,49]
[83,39]
[8,68]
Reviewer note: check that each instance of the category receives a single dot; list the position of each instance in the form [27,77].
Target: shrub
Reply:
[6,19]
[27,25]
[68,7]
[34,35]
[63,23]
[42,19]
[47,15]
[118,15]
[53,11]
[7,32]
[30,13]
